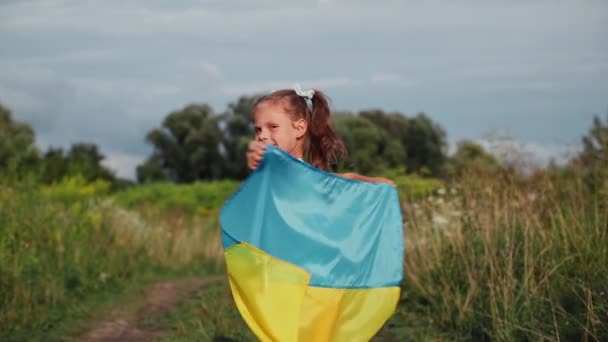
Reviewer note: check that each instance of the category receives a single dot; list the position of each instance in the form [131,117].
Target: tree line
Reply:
[195,143]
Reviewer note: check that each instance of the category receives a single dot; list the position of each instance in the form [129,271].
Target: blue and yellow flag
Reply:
[312,256]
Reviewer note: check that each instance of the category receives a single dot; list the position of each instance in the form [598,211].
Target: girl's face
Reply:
[273,125]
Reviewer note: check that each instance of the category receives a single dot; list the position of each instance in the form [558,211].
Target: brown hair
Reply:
[323,147]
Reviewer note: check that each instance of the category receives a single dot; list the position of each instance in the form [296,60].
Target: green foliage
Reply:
[377,140]
[75,188]
[199,197]
[412,186]
[83,160]
[593,160]
[394,128]
[64,243]
[425,145]
[17,150]
[195,144]
[53,252]
[186,147]
[20,160]
[237,133]
[363,141]
[471,157]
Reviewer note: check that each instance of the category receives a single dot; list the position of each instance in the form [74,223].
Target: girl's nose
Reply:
[262,137]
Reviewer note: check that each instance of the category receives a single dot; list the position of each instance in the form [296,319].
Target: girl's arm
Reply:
[355,176]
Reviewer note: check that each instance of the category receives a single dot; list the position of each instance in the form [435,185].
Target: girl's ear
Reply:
[301,126]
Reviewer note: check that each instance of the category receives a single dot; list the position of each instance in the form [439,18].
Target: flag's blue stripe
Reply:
[346,233]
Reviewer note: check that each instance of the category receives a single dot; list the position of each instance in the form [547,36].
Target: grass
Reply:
[488,257]
[203,198]
[78,316]
[65,245]
[506,260]
[211,315]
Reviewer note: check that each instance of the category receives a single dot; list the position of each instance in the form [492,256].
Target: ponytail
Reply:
[324,146]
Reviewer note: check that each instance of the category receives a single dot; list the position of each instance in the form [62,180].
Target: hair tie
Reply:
[306,94]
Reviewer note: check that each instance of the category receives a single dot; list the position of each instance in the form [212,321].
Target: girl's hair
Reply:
[323,147]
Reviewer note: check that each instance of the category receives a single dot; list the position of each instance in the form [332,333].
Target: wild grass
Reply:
[489,256]
[501,258]
[63,244]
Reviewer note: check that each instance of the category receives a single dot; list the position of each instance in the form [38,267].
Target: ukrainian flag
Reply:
[312,256]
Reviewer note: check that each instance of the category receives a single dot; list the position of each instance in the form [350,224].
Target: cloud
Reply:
[114,113]
[390,79]
[122,87]
[85,56]
[19,99]
[272,16]
[592,67]
[268,86]
[124,165]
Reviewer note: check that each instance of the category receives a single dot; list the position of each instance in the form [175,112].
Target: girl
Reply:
[298,122]
[311,258]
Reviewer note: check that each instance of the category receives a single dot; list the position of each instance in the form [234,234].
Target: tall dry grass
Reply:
[497,257]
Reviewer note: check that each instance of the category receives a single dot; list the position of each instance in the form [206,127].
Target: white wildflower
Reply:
[439,220]
[103,276]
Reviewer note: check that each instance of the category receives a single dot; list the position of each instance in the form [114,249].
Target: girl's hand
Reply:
[255,153]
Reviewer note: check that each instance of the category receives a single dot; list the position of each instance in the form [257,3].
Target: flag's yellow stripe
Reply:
[278,305]
[267,292]
[345,314]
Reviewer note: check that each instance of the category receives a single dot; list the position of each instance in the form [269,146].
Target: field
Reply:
[488,257]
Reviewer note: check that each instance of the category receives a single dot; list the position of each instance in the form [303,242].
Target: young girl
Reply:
[298,122]
[314,258]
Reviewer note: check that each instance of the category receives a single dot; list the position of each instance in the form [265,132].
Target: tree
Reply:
[595,143]
[470,156]
[370,150]
[186,147]
[423,141]
[237,132]
[394,135]
[18,153]
[425,144]
[594,157]
[83,159]
[152,170]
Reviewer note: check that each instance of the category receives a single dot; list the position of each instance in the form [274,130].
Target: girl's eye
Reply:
[273,126]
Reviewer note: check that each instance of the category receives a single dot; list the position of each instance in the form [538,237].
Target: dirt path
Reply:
[160,299]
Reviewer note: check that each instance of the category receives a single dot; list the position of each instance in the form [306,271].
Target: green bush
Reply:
[200,197]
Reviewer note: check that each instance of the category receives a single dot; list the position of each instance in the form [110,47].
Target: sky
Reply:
[107,72]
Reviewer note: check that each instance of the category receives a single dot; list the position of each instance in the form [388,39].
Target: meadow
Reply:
[490,256]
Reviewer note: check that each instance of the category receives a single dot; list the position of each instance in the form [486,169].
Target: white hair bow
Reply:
[307,94]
